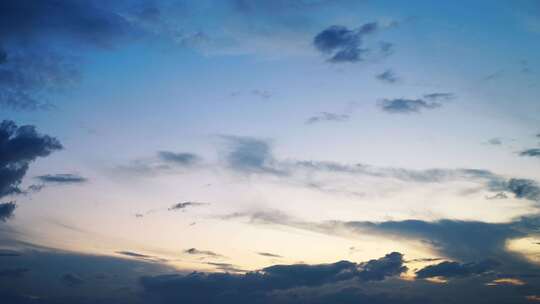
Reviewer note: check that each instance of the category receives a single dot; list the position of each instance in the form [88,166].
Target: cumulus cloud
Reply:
[341,44]
[327,116]
[65,178]
[387,76]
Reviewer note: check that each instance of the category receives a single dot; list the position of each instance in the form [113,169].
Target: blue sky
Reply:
[235,136]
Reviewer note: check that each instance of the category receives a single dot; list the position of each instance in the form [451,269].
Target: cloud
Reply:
[30,67]
[448,269]
[341,44]
[7,210]
[407,106]
[9,253]
[72,280]
[249,155]
[260,286]
[13,272]
[183,159]
[184,205]
[19,146]
[387,76]
[252,155]
[495,141]
[455,239]
[523,188]
[499,195]
[439,96]
[535,152]
[66,178]
[162,163]
[141,256]
[327,116]
[207,253]
[268,254]
[226,267]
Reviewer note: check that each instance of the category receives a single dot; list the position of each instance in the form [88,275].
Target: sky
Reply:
[269,151]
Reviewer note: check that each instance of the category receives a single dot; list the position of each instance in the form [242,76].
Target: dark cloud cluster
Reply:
[261,286]
[341,44]
[19,146]
[327,116]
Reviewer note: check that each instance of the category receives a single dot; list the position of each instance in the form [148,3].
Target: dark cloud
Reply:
[226,267]
[439,96]
[65,178]
[259,286]
[183,159]
[457,240]
[13,272]
[406,106]
[535,152]
[7,210]
[249,155]
[31,69]
[19,146]
[141,256]
[341,44]
[495,141]
[524,188]
[207,253]
[387,76]
[184,205]
[163,163]
[72,280]
[9,253]
[448,269]
[268,254]
[327,116]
